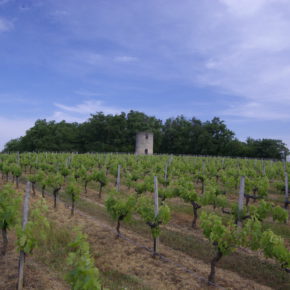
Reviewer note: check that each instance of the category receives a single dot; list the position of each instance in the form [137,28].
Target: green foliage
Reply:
[100,177]
[214,196]
[258,184]
[251,235]
[189,195]
[108,133]
[263,210]
[145,207]
[9,207]
[266,209]
[73,190]
[33,178]
[5,168]
[279,214]
[145,186]
[16,170]
[64,171]
[226,237]
[55,180]
[83,274]
[120,207]
[36,229]
[165,193]
[273,247]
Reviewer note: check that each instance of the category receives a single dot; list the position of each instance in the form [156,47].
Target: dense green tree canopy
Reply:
[116,133]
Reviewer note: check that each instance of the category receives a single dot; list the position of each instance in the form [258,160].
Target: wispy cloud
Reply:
[240,47]
[81,112]
[257,111]
[59,116]
[233,53]
[5,25]
[249,57]
[244,7]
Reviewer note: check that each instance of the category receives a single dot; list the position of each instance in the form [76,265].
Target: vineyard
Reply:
[119,221]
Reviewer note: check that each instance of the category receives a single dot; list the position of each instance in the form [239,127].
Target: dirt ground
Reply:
[36,275]
[129,258]
[125,256]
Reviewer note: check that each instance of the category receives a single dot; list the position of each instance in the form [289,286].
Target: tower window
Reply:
[146,151]
[146,136]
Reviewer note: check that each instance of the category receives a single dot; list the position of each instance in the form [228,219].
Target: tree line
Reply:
[116,133]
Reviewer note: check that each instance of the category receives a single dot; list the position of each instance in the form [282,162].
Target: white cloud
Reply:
[89,107]
[81,112]
[5,25]
[244,7]
[14,128]
[59,116]
[246,54]
[10,129]
[258,111]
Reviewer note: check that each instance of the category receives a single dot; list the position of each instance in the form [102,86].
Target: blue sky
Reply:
[66,59]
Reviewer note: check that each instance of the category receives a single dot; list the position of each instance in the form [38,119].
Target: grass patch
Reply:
[119,281]
[54,249]
[246,266]
[249,267]
[282,230]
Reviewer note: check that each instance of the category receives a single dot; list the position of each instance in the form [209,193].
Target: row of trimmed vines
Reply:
[201,182]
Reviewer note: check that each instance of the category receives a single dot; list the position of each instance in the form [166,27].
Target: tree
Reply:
[47,136]
[220,136]
[176,134]
[116,133]
[266,148]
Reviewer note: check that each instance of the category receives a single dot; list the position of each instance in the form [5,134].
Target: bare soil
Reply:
[36,275]
[125,257]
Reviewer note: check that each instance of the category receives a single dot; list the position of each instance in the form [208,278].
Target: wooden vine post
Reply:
[118,178]
[263,168]
[165,172]
[24,222]
[286,191]
[284,165]
[18,158]
[241,200]
[156,212]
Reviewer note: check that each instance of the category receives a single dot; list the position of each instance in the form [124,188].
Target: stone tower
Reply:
[144,143]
